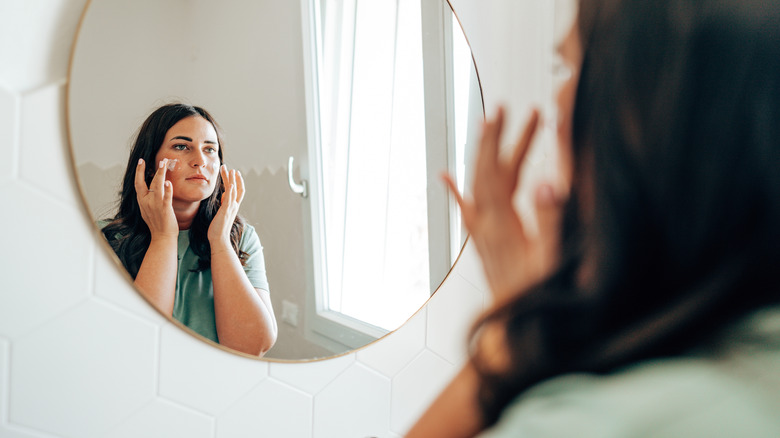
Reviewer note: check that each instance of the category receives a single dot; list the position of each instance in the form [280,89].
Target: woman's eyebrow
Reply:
[181,137]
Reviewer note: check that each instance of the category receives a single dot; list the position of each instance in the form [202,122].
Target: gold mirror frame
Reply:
[123,272]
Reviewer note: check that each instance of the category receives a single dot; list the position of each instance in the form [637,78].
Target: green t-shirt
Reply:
[730,388]
[193,305]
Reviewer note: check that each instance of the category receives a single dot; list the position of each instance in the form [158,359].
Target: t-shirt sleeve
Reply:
[255,263]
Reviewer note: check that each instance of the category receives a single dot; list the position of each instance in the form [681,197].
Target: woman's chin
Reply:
[194,198]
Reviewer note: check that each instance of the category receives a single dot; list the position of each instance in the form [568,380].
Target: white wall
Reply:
[82,355]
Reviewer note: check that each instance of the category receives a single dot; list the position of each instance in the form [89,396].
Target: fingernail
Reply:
[162,163]
[140,160]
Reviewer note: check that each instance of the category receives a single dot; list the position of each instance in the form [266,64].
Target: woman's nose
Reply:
[198,160]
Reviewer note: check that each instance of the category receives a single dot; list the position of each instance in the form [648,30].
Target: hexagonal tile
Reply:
[310,377]
[201,375]
[451,312]
[393,352]
[354,405]
[163,419]
[43,156]
[83,371]
[34,294]
[8,131]
[42,33]
[416,386]
[271,409]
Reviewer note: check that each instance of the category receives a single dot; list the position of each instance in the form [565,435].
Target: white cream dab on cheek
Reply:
[172,164]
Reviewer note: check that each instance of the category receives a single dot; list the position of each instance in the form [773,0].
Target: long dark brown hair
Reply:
[676,130]
[127,232]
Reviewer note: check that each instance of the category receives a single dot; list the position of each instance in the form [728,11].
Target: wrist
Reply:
[220,245]
[163,238]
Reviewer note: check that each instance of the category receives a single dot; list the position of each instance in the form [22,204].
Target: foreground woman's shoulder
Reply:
[730,389]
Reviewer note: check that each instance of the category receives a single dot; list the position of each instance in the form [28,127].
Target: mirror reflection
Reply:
[339,116]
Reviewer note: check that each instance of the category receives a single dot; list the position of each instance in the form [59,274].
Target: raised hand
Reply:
[219,230]
[155,201]
[513,258]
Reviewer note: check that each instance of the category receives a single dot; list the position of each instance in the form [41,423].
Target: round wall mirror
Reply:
[340,115]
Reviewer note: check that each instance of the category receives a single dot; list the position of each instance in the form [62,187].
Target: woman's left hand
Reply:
[219,230]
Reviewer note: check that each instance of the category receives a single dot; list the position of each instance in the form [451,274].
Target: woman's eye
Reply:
[180,147]
[211,150]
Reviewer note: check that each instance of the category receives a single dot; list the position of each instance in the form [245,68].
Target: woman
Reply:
[648,304]
[179,235]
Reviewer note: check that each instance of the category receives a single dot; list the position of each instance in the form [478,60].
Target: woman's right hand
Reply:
[155,201]
[513,258]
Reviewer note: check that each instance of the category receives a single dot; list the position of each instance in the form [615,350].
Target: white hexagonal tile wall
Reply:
[164,419]
[48,277]
[310,377]
[202,376]
[450,313]
[272,409]
[43,158]
[42,32]
[416,386]
[8,130]
[396,350]
[356,404]
[82,372]
[11,431]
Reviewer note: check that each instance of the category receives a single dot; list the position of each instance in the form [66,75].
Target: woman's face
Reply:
[568,59]
[192,142]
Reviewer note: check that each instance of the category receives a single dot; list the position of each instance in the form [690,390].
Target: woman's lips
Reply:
[198,178]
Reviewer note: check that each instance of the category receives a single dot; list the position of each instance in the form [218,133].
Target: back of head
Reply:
[675,123]
[671,231]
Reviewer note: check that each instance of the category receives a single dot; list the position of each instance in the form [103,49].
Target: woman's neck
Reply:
[185,213]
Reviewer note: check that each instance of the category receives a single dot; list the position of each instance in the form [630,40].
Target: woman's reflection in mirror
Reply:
[648,302]
[179,235]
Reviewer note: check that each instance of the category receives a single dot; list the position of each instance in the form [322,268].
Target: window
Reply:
[382,128]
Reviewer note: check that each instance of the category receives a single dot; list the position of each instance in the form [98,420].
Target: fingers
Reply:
[139,182]
[239,186]
[158,182]
[168,195]
[489,143]
[524,142]
[549,212]
[233,189]
[453,186]
[224,173]
[234,185]
[465,209]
